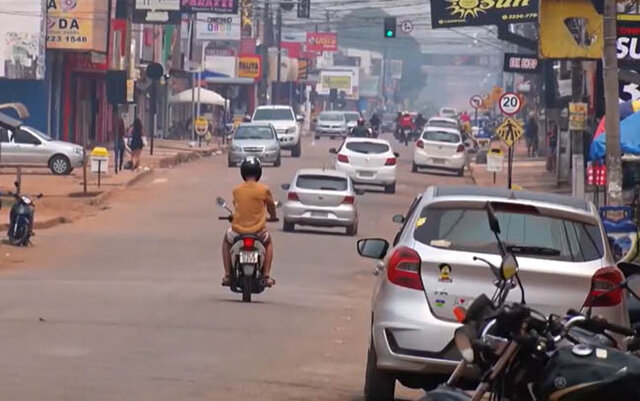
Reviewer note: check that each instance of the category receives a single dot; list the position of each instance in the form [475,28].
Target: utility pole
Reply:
[577,137]
[612,112]
[279,40]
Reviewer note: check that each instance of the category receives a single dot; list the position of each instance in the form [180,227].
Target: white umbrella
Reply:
[206,97]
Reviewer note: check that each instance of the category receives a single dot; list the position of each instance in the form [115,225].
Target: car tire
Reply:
[288,226]
[230,163]
[414,167]
[316,137]
[390,189]
[297,150]
[379,385]
[278,162]
[352,230]
[60,165]
[460,173]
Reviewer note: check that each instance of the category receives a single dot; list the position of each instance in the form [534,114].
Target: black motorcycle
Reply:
[21,219]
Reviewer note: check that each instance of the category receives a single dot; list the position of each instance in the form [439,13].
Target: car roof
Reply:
[256,124]
[447,119]
[374,140]
[551,200]
[319,171]
[273,106]
[351,112]
[429,128]
[331,112]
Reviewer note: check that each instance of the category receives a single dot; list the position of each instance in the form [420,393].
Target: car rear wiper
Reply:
[533,250]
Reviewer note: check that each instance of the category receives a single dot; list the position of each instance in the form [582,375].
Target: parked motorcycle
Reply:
[21,219]
[247,258]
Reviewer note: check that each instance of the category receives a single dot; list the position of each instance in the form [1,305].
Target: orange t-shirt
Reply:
[250,200]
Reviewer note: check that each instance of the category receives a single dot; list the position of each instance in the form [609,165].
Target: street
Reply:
[127,304]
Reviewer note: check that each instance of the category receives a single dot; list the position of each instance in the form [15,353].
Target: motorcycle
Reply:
[21,219]
[374,132]
[521,355]
[405,134]
[247,257]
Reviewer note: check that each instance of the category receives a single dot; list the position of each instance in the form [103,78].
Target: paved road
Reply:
[126,305]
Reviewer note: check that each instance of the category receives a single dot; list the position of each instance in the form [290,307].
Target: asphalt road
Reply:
[126,304]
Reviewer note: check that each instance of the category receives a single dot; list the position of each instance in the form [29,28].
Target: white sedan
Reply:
[440,148]
[368,162]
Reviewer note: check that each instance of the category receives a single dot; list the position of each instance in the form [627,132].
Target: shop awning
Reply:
[206,97]
[230,81]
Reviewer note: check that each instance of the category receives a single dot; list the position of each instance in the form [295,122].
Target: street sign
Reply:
[510,103]
[201,126]
[495,160]
[476,101]
[510,130]
[406,26]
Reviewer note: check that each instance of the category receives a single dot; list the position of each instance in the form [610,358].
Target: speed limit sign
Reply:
[510,103]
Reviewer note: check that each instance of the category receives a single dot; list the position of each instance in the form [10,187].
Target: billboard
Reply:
[627,42]
[322,42]
[77,25]
[452,13]
[343,79]
[22,40]
[155,11]
[224,66]
[213,26]
[249,66]
[210,6]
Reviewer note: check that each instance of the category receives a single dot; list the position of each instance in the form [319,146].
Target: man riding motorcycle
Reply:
[360,131]
[252,201]
[375,122]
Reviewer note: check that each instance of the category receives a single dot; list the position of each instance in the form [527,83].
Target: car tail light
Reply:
[404,268]
[292,196]
[349,200]
[460,148]
[390,161]
[605,288]
[248,242]
[420,144]
[343,159]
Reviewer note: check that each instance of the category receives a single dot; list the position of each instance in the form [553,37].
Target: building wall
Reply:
[33,94]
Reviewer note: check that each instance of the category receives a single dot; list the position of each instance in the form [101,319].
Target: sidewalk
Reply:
[64,199]
[528,173]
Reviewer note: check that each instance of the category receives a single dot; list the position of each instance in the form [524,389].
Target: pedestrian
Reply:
[531,136]
[136,144]
[120,144]
[552,144]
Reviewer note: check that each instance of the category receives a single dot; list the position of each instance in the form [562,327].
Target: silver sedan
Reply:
[321,198]
[254,140]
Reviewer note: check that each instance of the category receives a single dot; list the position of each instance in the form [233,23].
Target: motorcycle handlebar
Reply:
[597,324]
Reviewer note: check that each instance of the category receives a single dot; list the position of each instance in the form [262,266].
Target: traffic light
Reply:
[390,27]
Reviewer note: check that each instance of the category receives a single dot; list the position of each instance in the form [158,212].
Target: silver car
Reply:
[561,249]
[321,198]
[331,123]
[29,147]
[254,140]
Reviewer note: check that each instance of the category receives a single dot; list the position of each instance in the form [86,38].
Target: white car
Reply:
[448,112]
[368,162]
[443,122]
[285,122]
[440,148]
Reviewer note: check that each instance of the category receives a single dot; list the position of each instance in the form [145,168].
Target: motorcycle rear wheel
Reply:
[246,288]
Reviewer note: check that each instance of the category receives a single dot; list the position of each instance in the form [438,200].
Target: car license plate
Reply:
[248,257]
[438,161]
[365,173]
[320,214]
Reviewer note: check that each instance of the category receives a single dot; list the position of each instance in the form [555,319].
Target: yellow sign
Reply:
[249,67]
[201,126]
[77,25]
[578,116]
[131,90]
[562,33]
[510,130]
[497,152]
[336,82]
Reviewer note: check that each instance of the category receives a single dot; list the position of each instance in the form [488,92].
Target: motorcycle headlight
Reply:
[463,342]
[291,130]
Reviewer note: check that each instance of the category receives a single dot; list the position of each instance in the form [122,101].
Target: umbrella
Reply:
[626,109]
[629,139]
[206,97]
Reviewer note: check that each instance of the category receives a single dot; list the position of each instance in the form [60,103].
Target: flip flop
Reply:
[226,281]
[268,281]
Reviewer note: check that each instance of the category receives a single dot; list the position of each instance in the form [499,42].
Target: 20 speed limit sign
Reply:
[510,103]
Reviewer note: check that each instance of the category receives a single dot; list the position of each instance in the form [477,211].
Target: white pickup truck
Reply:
[286,123]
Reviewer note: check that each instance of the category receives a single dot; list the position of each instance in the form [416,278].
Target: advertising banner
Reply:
[562,35]
[340,82]
[452,13]
[210,6]
[249,66]
[369,86]
[155,11]
[303,69]
[77,25]
[627,43]
[212,26]
[224,66]
[521,63]
[322,42]
[22,40]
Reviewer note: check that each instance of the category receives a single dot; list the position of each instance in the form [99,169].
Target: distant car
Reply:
[331,123]
[368,161]
[255,139]
[352,119]
[321,198]
[443,122]
[285,122]
[389,122]
[449,112]
[440,148]
[561,249]
[29,147]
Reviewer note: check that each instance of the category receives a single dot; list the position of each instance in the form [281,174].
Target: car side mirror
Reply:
[398,219]
[374,248]
[333,151]
[285,186]
[396,154]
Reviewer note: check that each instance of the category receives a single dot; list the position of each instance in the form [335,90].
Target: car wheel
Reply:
[230,163]
[278,162]
[316,137]
[414,167]
[297,150]
[379,385]
[460,172]
[352,230]
[288,227]
[60,165]
[390,189]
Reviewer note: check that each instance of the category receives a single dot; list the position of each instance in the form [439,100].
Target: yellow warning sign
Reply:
[510,130]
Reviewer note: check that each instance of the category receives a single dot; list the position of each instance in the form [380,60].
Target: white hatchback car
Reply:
[368,162]
[440,148]
[443,122]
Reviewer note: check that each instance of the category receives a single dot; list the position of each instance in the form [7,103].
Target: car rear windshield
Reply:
[528,234]
[352,116]
[443,124]
[253,133]
[441,136]
[322,182]
[273,114]
[331,117]
[367,147]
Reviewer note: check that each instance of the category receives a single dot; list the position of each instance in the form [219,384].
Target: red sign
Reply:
[293,48]
[322,42]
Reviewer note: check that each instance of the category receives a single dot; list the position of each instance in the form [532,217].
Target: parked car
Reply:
[255,139]
[286,124]
[352,119]
[368,161]
[29,147]
[440,148]
[443,122]
[331,123]
[561,249]
[449,112]
[321,198]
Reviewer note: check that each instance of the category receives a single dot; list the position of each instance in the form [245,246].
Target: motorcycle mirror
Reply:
[220,202]
[508,267]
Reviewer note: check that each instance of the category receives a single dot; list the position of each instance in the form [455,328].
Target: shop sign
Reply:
[521,63]
[303,69]
[156,11]
[452,13]
[77,25]
[221,65]
[336,82]
[22,48]
[627,46]
[82,62]
[322,42]
[213,26]
[249,66]
[578,116]
[210,6]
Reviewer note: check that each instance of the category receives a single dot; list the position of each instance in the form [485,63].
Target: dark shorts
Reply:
[263,235]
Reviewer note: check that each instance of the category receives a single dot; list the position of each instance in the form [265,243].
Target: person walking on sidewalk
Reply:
[531,136]
[120,144]
[136,144]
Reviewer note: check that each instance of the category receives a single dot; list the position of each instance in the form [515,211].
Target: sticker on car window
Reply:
[440,243]
[421,221]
